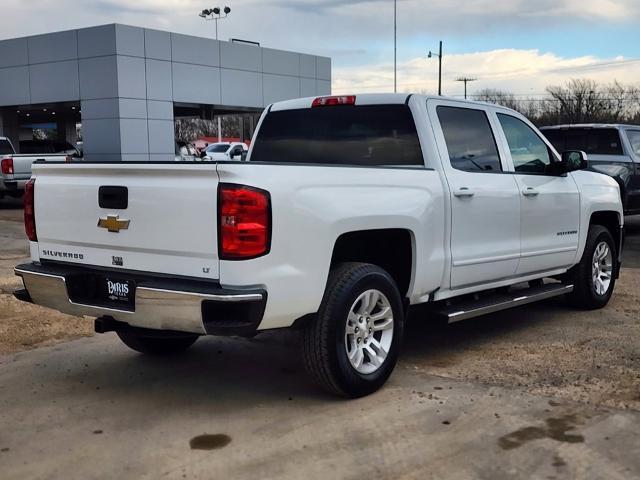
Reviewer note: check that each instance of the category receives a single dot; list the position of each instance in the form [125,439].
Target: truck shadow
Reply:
[431,343]
[8,203]
[236,373]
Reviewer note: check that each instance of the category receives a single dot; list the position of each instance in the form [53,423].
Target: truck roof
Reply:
[369,99]
[588,125]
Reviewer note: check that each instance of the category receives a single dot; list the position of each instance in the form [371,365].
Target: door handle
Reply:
[463,192]
[530,192]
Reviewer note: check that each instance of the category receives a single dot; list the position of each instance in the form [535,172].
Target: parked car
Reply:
[186,152]
[612,149]
[224,151]
[15,169]
[349,211]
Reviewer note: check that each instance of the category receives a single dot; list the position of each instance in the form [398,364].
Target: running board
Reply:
[494,303]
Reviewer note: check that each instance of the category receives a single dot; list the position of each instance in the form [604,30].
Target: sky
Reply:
[516,45]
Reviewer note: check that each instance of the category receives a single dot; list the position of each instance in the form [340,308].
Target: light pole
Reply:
[395,47]
[465,80]
[439,55]
[215,14]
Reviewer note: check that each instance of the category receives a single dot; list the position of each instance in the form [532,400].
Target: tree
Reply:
[578,101]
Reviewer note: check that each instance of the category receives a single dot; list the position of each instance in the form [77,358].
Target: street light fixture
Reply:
[439,55]
[215,14]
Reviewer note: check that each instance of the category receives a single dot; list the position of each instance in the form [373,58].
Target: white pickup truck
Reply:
[349,211]
[15,169]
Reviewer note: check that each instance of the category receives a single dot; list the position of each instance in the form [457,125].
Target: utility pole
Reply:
[440,70]
[439,55]
[395,47]
[465,80]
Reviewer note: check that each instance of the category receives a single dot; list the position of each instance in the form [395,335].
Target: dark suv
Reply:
[611,149]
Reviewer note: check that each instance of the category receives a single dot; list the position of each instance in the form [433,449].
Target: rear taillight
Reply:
[29,210]
[6,165]
[244,222]
[336,100]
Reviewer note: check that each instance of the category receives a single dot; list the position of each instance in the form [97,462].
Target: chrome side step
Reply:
[494,303]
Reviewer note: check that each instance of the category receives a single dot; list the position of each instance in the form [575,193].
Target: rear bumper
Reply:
[12,186]
[161,303]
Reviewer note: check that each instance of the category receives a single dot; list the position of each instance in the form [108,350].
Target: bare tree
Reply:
[578,101]
[498,97]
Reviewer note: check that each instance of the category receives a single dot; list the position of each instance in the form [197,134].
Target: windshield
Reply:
[347,135]
[218,148]
[5,147]
[595,141]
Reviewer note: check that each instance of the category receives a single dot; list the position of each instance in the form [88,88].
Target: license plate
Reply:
[119,291]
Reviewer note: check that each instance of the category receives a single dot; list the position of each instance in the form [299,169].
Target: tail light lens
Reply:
[29,210]
[6,165]
[244,222]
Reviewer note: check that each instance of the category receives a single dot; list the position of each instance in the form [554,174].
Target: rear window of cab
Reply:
[367,135]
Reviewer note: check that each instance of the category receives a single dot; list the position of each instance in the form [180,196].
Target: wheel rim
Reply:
[602,268]
[369,331]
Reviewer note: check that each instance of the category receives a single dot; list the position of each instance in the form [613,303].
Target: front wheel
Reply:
[593,278]
[157,343]
[352,346]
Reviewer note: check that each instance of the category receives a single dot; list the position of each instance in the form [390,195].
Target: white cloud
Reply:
[357,34]
[525,72]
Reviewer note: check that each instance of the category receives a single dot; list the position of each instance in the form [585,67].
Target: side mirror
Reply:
[573,160]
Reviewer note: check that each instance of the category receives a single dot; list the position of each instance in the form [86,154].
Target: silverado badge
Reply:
[113,224]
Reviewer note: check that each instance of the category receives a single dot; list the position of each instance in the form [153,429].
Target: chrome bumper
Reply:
[155,307]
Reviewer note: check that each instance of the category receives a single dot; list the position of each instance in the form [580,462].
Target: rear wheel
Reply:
[593,278]
[352,346]
[157,343]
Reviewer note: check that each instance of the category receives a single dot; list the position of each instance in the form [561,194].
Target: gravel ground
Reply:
[24,326]
[547,349]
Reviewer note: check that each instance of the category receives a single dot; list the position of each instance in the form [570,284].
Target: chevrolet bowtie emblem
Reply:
[113,224]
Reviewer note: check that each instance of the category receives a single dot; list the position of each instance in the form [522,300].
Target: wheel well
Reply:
[609,220]
[390,249]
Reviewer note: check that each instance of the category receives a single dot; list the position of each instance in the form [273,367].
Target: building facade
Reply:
[126,85]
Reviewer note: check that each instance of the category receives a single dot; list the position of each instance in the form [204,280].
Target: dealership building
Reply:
[126,86]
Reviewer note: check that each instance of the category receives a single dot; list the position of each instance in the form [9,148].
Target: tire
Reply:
[156,343]
[349,301]
[587,293]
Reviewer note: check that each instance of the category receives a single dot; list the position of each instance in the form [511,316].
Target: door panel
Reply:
[550,221]
[485,204]
[485,228]
[549,204]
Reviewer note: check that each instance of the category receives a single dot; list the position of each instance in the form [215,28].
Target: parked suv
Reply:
[612,149]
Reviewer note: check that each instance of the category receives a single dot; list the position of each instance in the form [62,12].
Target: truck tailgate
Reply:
[171,212]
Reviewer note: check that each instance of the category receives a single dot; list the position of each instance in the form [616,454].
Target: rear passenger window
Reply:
[528,152]
[470,141]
